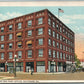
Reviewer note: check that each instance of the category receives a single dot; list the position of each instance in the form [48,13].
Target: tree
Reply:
[77,61]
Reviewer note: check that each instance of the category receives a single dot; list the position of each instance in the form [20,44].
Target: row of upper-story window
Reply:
[20,25]
[60,29]
[19,34]
[60,37]
[19,44]
[58,55]
[60,46]
[29,54]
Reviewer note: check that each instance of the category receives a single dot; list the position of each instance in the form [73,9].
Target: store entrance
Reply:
[2,67]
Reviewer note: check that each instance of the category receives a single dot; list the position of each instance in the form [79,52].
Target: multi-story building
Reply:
[40,40]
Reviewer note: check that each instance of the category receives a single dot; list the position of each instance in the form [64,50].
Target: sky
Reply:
[73,17]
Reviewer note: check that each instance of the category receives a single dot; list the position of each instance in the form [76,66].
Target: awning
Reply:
[19,43]
[19,34]
[29,42]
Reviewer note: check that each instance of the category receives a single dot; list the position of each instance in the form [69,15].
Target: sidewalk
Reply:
[6,78]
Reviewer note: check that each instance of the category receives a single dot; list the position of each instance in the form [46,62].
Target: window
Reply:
[2,38]
[63,47]
[60,29]
[10,45]
[63,55]
[57,36]
[2,29]
[2,56]
[40,31]
[60,55]
[57,45]
[53,24]
[2,46]
[49,32]
[53,43]
[30,33]
[19,34]
[40,21]
[49,52]
[10,36]
[19,25]
[10,27]
[49,41]
[53,34]
[29,43]
[60,46]
[54,54]
[10,55]
[40,41]
[57,27]
[66,41]
[49,21]
[29,53]
[40,52]
[66,48]
[19,44]
[60,38]
[19,54]
[29,23]
[57,55]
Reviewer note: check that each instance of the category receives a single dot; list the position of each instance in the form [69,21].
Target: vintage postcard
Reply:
[42,41]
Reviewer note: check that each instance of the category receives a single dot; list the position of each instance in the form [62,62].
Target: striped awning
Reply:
[29,42]
[19,43]
[19,34]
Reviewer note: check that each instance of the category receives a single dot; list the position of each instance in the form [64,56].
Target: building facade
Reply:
[40,40]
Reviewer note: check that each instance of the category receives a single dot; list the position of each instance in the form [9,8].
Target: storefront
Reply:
[40,66]
[2,67]
[29,66]
[59,67]
[51,66]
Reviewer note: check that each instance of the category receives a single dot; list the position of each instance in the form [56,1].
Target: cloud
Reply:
[9,15]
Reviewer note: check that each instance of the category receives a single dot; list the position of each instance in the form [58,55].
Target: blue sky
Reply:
[73,17]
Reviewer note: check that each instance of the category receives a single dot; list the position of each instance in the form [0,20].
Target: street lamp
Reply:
[15,65]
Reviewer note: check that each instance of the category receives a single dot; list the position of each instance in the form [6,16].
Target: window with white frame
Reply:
[60,38]
[49,41]
[10,55]
[54,34]
[57,55]
[30,33]
[40,41]
[57,45]
[29,23]
[66,48]
[64,56]
[29,53]
[40,31]
[2,46]
[10,27]
[53,24]
[60,55]
[60,46]
[2,56]
[40,53]
[2,29]
[49,32]
[10,36]
[40,21]
[57,36]
[49,52]
[19,25]
[49,21]
[10,45]
[54,53]
[53,43]
[61,29]
[57,27]
[19,54]
[63,47]
[2,38]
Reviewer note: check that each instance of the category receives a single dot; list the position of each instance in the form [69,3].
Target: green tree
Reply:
[77,61]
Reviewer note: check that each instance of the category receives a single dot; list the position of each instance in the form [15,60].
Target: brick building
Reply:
[40,40]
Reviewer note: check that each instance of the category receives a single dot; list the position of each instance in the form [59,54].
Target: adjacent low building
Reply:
[40,40]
